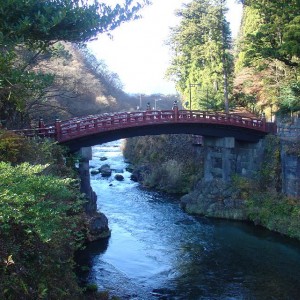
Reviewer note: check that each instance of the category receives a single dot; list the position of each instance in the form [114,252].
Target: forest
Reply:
[46,70]
[259,70]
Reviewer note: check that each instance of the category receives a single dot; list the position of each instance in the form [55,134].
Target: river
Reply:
[156,251]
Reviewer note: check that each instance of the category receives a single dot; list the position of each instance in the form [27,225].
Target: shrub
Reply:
[39,232]
[175,165]
[275,212]
[12,146]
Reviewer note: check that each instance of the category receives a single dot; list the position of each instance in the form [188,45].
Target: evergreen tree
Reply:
[30,29]
[267,65]
[202,62]
[277,36]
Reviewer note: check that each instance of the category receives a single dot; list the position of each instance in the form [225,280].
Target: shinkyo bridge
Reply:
[96,129]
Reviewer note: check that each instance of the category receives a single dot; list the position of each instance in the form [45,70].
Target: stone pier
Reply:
[85,181]
[224,157]
[97,223]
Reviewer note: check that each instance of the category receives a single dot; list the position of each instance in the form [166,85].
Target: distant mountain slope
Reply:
[82,86]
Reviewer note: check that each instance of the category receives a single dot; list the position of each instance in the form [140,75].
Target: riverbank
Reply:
[257,199]
[169,163]
[42,221]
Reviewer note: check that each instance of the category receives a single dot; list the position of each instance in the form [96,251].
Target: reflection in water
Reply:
[156,251]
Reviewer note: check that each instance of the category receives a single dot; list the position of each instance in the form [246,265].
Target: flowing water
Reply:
[156,251]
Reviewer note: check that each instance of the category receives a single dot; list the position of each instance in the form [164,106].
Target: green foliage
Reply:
[92,288]
[18,86]
[289,100]
[17,149]
[201,45]
[277,36]
[40,23]
[276,213]
[243,185]
[267,65]
[270,171]
[30,29]
[12,146]
[39,223]
[163,157]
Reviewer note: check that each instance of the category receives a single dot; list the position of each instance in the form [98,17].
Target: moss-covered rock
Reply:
[217,199]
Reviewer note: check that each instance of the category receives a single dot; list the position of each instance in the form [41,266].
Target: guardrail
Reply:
[77,127]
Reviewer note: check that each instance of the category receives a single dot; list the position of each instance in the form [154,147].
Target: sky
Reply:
[137,51]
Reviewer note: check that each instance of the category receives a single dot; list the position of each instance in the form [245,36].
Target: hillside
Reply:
[82,86]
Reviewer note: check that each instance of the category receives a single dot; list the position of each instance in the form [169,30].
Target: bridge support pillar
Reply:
[96,222]
[249,157]
[85,181]
[224,157]
[219,158]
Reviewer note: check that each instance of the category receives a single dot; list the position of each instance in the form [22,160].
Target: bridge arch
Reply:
[97,129]
[93,130]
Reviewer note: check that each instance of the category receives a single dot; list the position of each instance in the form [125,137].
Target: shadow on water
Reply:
[84,258]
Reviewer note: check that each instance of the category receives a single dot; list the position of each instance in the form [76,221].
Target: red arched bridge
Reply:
[96,129]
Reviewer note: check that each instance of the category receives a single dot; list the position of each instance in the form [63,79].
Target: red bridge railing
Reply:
[73,128]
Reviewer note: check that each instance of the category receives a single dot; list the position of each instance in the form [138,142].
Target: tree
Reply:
[201,55]
[42,23]
[278,31]
[29,29]
[268,52]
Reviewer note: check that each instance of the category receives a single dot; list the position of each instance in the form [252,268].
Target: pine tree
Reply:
[202,62]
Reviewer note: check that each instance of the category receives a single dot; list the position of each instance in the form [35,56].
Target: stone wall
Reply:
[224,157]
[289,134]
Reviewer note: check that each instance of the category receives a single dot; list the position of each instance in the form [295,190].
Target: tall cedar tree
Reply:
[202,63]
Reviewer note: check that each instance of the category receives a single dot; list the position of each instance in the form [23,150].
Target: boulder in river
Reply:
[97,224]
[215,198]
[119,177]
[105,170]
[95,172]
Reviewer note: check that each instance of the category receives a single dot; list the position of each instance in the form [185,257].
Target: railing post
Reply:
[148,106]
[175,108]
[263,119]
[41,125]
[77,126]
[57,129]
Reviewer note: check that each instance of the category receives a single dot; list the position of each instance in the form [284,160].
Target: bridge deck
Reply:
[76,128]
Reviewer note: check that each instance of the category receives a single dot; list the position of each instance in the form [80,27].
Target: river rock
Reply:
[97,226]
[103,158]
[105,170]
[138,174]
[119,177]
[95,172]
[215,198]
